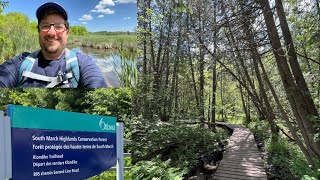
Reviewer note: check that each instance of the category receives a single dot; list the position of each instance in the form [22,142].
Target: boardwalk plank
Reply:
[242,160]
[227,166]
[241,156]
[231,176]
[242,173]
[243,163]
[242,153]
[222,178]
[243,168]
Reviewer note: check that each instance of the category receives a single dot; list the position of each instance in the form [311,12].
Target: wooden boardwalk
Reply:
[242,159]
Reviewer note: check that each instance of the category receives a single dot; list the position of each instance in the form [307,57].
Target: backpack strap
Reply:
[72,66]
[26,65]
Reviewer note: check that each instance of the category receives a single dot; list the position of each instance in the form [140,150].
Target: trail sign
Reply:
[49,144]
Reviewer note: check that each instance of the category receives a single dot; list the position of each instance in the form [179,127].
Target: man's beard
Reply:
[51,51]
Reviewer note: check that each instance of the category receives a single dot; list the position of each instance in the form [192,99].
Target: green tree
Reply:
[113,102]
[78,30]
[3,4]
[17,35]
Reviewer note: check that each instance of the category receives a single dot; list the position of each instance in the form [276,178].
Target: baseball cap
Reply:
[51,5]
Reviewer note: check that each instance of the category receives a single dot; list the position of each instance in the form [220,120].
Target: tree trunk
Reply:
[245,110]
[301,110]
[318,12]
[271,117]
[145,101]
[253,94]
[285,117]
[164,116]
[214,72]
[201,71]
[246,77]
[196,95]
[293,61]
[201,85]
[156,72]
[175,68]
[221,96]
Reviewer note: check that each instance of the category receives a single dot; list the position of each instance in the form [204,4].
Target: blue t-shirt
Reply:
[90,74]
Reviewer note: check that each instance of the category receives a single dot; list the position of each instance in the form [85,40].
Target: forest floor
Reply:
[207,163]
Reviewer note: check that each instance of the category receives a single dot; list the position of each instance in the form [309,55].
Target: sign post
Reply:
[2,148]
[5,148]
[120,152]
[7,145]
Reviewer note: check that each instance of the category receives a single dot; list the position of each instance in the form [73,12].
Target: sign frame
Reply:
[6,149]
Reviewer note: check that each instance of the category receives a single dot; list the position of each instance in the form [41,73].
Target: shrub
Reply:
[156,169]
[260,129]
[178,142]
[288,161]
[112,175]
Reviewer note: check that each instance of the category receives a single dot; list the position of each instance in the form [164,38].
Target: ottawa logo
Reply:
[105,126]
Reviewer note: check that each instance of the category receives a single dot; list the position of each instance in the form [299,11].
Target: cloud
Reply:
[101,16]
[106,3]
[127,18]
[126,1]
[102,7]
[99,6]
[84,23]
[103,11]
[86,17]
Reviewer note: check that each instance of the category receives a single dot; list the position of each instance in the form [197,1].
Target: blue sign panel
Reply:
[48,144]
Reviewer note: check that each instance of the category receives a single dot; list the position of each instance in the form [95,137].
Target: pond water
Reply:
[108,61]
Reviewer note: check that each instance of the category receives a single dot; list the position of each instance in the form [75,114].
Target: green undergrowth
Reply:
[232,119]
[288,161]
[156,170]
[236,120]
[175,144]
[259,129]
[112,175]
[285,160]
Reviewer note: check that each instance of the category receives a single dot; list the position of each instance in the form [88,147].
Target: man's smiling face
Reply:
[53,42]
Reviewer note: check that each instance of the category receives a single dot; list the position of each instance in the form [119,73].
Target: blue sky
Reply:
[95,15]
